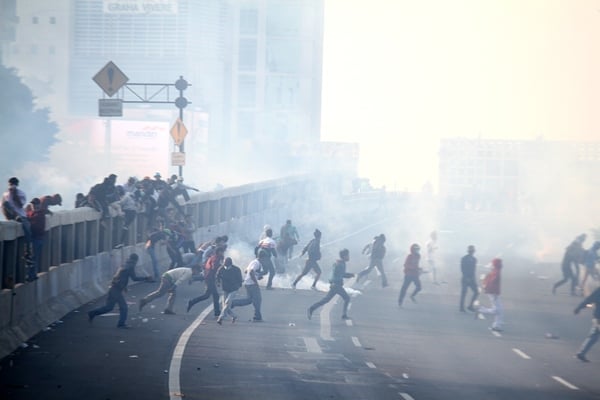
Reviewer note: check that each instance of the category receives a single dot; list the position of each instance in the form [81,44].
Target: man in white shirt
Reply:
[269,245]
[252,276]
[168,284]
[14,201]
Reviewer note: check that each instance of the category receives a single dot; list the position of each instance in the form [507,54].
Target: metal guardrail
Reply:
[75,234]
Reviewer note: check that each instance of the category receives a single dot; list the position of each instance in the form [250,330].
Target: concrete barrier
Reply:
[72,274]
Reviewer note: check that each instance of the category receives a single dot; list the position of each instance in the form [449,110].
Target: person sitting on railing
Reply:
[146,197]
[36,214]
[102,194]
[165,197]
[179,188]
[158,183]
[13,203]
[129,209]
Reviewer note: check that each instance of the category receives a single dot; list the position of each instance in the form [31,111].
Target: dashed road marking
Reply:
[406,396]
[370,364]
[356,342]
[567,384]
[522,354]
[312,346]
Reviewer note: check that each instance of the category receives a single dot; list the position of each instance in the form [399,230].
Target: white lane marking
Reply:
[406,396]
[356,342]
[370,364]
[175,368]
[522,354]
[567,384]
[312,346]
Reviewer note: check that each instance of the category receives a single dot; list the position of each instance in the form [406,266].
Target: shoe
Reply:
[496,329]
[309,314]
[399,305]
[219,321]
[123,326]
[90,317]
[233,320]
[345,317]
[27,257]
[462,310]
[257,319]
[313,288]
[269,288]
[581,357]
[471,308]
[169,312]
[143,302]
[413,299]
[384,285]
[293,286]
[189,306]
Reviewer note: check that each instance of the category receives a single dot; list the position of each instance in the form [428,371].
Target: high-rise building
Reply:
[254,65]
[8,21]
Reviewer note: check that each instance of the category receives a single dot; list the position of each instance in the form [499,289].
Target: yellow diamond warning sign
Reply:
[178,132]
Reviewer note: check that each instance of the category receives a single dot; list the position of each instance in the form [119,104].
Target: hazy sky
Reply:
[399,75]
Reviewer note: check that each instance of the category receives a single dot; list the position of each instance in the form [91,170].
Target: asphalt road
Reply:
[426,350]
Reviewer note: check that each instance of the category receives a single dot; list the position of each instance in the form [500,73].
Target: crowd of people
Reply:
[156,199]
[208,262]
[32,217]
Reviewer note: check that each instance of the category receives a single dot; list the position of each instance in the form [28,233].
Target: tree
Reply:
[26,132]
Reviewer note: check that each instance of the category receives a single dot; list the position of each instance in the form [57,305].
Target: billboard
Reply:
[145,7]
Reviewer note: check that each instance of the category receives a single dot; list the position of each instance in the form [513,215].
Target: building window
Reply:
[35,20]
[246,91]
[247,55]
[52,20]
[248,21]
[245,124]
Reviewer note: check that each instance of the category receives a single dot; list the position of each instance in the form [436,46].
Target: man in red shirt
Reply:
[491,286]
[411,274]
[210,275]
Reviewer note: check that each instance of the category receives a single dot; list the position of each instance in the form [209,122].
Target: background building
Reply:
[254,67]
[525,176]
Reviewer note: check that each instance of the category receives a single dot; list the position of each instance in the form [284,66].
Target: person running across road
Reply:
[412,271]
[269,245]
[313,248]
[570,267]
[230,278]
[115,293]
[288,235]
[590,259]
[336,285]
[491,286]
[468,264]
[252,275]
[594,334]
[376,251]
[168,284]
[210,280]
